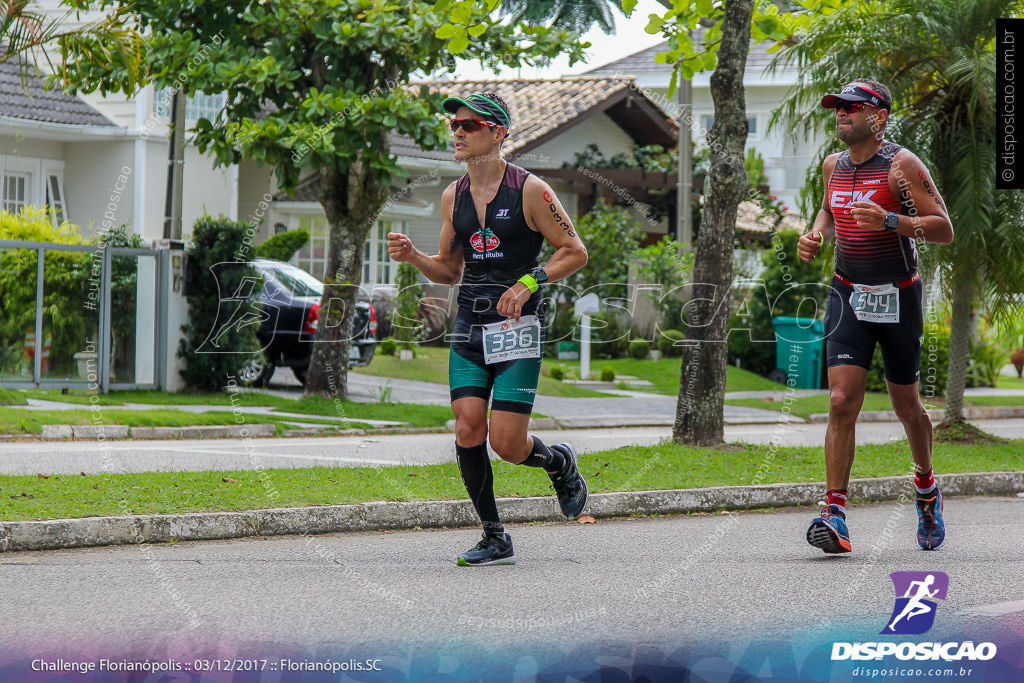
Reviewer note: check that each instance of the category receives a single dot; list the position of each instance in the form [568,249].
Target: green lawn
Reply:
[664,374]
[665,466]
[431,365]
[1009,382]
[11,397]
[119,398]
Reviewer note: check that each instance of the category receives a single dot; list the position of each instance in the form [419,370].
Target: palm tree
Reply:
[26,33]
[571,15]
[938,59]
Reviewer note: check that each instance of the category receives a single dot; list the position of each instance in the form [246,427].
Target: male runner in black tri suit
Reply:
[879,198]
[494,221]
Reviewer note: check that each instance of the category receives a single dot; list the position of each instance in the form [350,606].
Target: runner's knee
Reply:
[470,431]
[843,405]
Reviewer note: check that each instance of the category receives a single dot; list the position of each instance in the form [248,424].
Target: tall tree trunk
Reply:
[959,340]
[350,202]
[699,418]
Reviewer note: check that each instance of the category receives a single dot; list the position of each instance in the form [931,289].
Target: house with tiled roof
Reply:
[786,161]
[553,119]
[102,160]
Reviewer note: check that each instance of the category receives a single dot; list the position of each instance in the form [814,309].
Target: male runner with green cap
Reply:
[494,221]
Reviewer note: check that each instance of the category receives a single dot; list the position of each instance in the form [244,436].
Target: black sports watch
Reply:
[892,221]
[539,275]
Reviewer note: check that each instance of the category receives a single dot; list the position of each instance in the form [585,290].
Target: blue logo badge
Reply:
[914,611]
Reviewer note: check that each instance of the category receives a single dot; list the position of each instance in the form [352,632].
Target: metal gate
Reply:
[82,316]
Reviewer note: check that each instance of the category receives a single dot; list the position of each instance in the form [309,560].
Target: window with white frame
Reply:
[198,106]
[312,257]
[378,268]
[15,192]
[55,200]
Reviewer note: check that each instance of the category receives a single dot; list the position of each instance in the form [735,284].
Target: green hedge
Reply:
[209,366]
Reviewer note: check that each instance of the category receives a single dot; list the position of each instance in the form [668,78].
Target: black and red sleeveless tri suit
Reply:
[863,255]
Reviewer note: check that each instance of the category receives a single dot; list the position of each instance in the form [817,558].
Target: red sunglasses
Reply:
[470,125]
[853,106]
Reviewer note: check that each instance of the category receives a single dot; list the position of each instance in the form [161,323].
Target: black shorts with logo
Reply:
[852,342]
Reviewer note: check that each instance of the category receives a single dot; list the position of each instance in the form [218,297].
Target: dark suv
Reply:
[287,338]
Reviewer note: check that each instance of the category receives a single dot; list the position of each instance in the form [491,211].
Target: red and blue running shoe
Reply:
[828,531]
[931,530]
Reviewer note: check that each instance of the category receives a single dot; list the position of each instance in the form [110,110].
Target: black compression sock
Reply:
[542,456]
[475,468]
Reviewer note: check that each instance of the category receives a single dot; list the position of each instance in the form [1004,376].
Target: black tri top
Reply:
[499,252]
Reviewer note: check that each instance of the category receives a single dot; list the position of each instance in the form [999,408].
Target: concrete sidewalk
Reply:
[120,530]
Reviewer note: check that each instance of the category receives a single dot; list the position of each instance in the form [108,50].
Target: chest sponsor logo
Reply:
[484,240]
[872,182]
[843,200]
[503,213]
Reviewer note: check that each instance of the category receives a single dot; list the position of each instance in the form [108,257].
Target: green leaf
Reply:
[461,14]
[628,6]
[446,31]
[459,43]
[477,30]
[705,7]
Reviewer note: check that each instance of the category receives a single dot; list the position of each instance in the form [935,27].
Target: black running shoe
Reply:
[490,550]
[568,484]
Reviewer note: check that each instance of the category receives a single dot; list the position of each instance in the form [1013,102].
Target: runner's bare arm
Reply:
[910,181]
[824,227]
[544,213]
[445,267]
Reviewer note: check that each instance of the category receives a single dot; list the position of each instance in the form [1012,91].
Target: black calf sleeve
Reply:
[475,468]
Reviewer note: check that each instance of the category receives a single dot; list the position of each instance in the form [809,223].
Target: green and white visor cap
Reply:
[481,104]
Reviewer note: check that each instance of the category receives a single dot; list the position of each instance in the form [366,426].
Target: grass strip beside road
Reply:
[664,466]
[20,421]
[431,365]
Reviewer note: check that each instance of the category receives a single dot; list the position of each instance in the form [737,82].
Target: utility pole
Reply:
[175,169]
[684,147]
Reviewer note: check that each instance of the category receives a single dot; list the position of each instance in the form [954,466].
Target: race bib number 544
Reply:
[511,340]
[876,303]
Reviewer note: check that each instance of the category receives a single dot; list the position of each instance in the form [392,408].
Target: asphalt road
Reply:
[72,457]
[731,581]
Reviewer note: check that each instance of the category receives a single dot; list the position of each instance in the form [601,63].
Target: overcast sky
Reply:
[629,38]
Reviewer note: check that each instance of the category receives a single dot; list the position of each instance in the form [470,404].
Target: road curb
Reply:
[937,415]
[375,516]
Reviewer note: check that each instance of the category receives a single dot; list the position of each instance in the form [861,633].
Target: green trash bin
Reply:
[799,350]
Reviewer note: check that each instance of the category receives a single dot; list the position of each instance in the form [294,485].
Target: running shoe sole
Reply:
[821,535]
[942,505]
[511,559]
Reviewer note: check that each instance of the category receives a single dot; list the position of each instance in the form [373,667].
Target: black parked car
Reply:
[288,336]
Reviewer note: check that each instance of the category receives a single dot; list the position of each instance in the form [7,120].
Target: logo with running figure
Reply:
[914,612]
[484,240]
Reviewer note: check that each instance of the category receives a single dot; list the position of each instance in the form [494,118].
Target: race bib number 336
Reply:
[876,303]
[511,340]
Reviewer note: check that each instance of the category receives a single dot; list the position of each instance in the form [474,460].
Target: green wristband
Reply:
[530,282]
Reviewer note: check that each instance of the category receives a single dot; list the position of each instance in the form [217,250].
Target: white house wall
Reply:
[598,129]
[91,183]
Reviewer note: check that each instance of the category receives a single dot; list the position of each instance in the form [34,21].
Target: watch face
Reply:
[540,275]
[892,221]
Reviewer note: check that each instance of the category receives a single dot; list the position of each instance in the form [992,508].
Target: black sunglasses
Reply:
[470,125]
[853,106]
